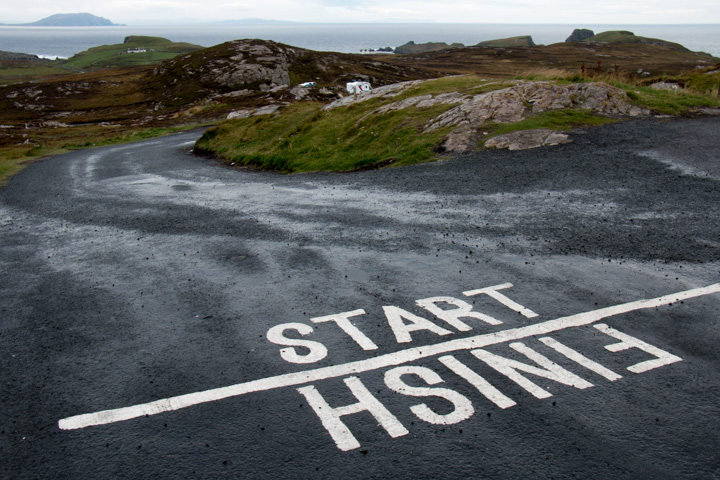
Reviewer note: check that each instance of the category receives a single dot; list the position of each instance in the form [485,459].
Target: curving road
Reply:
[553,313]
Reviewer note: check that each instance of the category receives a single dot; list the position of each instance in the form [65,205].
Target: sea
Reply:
[64,42]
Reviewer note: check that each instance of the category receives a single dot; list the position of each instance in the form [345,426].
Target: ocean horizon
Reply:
[52,42]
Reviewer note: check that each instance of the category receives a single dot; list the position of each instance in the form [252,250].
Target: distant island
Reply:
[578,36]
[71,20]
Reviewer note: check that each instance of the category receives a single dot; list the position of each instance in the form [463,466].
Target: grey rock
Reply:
[299,92]
[510,105]
[239,114]
[527,139]
[245,113]
[267,110]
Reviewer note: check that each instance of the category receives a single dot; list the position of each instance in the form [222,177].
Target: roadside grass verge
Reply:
[14,158]
[305,138]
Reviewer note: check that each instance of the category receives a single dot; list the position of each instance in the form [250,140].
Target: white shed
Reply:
[358,87]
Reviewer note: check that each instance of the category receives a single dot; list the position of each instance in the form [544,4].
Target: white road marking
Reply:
[331,417]
[548,369]
[482,385]
[343,321]
[493,293]
[376,363]
[580,359]
[627,342]
[462,406]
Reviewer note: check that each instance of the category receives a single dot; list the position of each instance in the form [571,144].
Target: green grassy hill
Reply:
[156,49]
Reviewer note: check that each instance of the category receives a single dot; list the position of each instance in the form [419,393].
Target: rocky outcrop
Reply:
[579,34]
[268,70]
[504,105]
[243,63]
[515,103]
[523,140]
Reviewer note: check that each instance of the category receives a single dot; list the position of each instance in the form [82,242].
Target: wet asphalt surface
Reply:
[136,273]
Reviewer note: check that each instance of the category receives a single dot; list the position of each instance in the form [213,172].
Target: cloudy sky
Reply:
[182,12]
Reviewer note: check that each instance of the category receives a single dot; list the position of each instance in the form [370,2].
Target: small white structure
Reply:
[308,84]
[136,50]
[358,87]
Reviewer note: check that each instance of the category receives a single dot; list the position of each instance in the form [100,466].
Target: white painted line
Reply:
[376,363]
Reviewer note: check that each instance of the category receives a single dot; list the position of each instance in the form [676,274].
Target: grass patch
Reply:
[558,120]
[669,102]
[305,138]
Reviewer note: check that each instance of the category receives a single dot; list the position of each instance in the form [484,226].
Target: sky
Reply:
[187,12]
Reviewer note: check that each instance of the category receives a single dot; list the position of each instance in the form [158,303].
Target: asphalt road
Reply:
[553,313]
